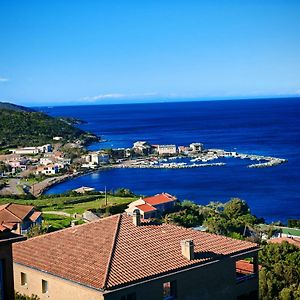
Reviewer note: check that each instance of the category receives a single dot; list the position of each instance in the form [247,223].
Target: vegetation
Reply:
[30,128]
[188,214]
[14,107]
[294,223]
[230,219]
[4,167]
[19,296]
[53,222]
[279,277]
[70,203]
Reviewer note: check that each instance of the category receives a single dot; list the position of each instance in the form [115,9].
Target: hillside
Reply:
[20,126]
[14,107]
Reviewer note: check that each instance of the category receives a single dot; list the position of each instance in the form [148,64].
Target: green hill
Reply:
[11,106]
[20,126]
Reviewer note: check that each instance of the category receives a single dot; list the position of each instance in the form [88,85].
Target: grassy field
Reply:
[70,205]
[56,222]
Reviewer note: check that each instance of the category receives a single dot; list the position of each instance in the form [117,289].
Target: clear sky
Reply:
[108,51]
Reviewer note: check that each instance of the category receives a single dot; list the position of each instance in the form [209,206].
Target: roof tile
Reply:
[112,251]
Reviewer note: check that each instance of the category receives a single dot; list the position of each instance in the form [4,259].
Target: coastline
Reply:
[159,164]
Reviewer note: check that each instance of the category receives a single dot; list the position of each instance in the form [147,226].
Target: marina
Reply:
[203,159]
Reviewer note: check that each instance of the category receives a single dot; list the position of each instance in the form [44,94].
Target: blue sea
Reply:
[263,126]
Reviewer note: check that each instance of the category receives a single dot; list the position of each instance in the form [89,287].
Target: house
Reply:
[120,257]
[50,169]
[19,164]
[166,149]
[196,147]
[46,161]
[19,218]
[6,262]
[45,148]
[142,148]
[96,158]
[154,206]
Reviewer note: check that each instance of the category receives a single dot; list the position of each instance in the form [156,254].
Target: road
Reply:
[12,188]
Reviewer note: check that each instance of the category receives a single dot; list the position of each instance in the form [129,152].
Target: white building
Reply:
[46,161]
[96,158]
[196,147]
[47,170]
[45,148]
[166,149]
[142,147]
[32,150]
[25,150]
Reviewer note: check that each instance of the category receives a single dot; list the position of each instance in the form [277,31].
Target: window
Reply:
[44,286]
[169,290]
[131,296]
[23,278]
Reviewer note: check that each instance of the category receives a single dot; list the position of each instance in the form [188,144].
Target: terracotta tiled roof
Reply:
[146,207]
[11,214]
[35,216]
[245,267]
[3,228]
[8,217]
[294,241]
[159,199]
[21,211]
[113,252]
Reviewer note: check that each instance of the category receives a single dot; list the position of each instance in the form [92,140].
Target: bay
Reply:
[261,126]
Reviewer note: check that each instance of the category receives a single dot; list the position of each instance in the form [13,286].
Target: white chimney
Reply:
[136,217]
[187,249]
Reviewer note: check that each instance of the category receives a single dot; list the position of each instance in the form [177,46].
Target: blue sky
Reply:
[76,52]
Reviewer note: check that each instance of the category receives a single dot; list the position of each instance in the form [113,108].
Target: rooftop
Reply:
[146,207]
[159,199]
[291,240]
[112,252]
[13,213]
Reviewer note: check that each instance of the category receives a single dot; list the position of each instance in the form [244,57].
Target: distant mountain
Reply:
[21,126]
[11,106]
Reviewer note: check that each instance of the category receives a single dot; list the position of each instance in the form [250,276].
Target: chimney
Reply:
[187,249]
[136,217]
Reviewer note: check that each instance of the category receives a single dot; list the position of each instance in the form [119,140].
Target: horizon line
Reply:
[175,100]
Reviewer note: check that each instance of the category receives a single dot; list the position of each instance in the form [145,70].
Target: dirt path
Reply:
[59,213]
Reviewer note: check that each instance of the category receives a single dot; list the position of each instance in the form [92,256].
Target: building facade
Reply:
[6,262]
[166,149]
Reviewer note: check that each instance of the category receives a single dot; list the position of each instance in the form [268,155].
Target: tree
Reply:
[236,208]
[279,277]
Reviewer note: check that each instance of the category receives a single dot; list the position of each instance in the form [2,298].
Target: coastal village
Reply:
[124,225]
[30,169]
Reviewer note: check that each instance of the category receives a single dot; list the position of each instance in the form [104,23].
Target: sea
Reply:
[268,127]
